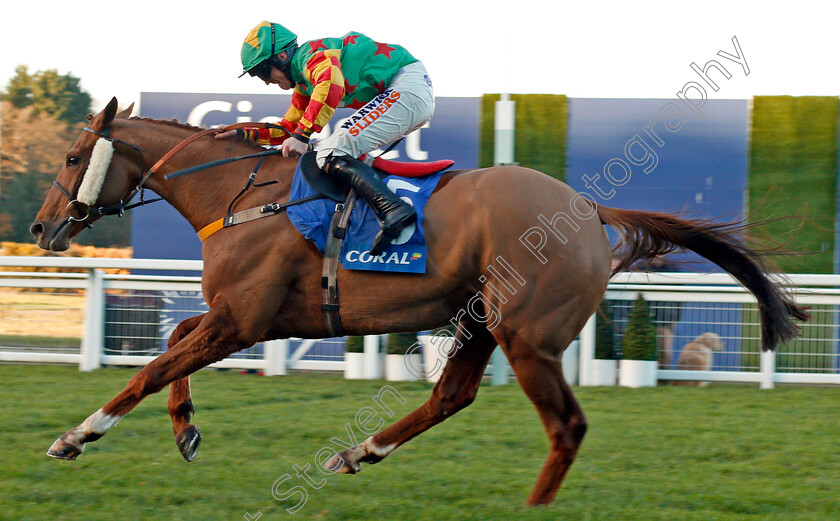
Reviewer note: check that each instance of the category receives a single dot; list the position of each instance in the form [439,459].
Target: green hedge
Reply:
[355,344]
[400,343]
[793,173]
[541,123]
[639,341]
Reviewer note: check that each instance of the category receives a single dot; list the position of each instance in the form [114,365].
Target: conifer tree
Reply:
[639,342]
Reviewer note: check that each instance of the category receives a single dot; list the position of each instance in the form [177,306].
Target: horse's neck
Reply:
[203,196]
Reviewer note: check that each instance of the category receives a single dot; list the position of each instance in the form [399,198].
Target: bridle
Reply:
[121,207]
[114,209]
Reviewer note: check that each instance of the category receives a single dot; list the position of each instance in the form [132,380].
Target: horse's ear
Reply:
[126,113]
[104,118]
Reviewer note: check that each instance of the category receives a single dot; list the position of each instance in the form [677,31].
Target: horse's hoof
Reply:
[188,442]
[63,450]
[343,463]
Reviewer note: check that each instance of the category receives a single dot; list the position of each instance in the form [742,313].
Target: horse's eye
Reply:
[73,161]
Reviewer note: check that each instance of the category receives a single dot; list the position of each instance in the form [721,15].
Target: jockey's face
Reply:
[279,78]
[270,74]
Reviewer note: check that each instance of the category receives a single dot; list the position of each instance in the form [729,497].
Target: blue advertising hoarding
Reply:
[644,154]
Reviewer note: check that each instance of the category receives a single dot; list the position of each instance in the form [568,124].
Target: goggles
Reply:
[262,70]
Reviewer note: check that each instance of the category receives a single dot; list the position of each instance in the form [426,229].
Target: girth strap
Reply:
[329,274]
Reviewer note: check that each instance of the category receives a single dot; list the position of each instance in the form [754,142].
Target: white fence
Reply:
[128,318]
[715,303]
[125,319]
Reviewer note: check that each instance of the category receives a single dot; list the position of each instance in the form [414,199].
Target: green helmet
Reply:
[263,42]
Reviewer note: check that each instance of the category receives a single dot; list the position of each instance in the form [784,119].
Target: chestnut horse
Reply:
[515,258]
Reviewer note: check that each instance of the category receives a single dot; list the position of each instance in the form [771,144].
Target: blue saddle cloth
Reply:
[407,253]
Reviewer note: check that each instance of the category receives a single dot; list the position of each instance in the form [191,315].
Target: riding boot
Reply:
[393,213]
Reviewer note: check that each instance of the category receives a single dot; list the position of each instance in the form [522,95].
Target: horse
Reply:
[516,259]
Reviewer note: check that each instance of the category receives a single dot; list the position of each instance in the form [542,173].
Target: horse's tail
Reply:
[648,234]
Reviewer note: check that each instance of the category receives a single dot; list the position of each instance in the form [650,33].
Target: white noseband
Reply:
[100,160]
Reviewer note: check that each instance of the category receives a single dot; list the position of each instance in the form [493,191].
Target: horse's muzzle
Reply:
[53,237]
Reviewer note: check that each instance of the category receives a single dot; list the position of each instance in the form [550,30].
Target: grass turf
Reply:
[717,453]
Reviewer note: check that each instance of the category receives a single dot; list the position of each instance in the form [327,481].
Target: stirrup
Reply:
[380,244]
[383,238]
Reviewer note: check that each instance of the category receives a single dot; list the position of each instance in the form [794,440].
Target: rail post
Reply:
[94,333]
[768,369]
[571,364]
[504,139]
[373,361]
[500,374]
[504,131]
[587,352]
[276,353]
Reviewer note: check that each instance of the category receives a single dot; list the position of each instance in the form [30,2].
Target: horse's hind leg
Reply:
[187,436]
[564,421]
[456,389]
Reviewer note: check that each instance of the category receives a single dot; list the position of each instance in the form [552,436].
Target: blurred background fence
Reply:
[94,312]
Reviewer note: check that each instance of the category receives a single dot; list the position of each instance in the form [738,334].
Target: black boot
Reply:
[394,214]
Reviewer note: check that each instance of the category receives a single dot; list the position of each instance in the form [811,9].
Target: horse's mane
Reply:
[170,122]
[186,126]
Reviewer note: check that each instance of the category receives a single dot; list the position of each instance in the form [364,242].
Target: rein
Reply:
[211,164]
[219,162]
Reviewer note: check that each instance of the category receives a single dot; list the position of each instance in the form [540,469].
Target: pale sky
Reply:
[627,49]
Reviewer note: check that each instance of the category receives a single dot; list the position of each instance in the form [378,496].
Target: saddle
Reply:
[346,199]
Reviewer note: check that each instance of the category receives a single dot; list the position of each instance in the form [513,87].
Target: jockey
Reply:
[390,89]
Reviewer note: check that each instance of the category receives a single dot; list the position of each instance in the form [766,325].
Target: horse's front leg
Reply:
[212,340]
[187,436]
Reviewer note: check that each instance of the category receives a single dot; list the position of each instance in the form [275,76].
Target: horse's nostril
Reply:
[36,229]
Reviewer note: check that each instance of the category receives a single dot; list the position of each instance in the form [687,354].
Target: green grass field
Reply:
[669,453]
